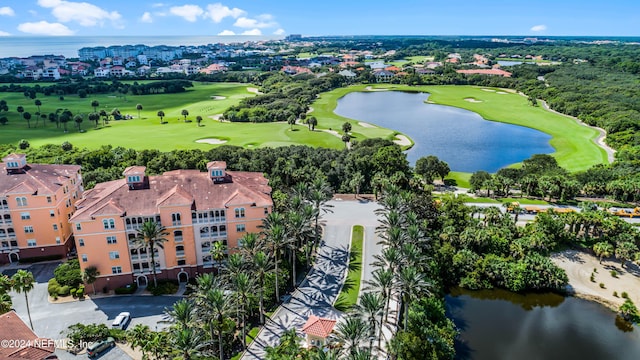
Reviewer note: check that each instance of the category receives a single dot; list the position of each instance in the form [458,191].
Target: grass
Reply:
[147,132]
[411,59]
[249,338]
[348,296]
[461,179]
[574,145]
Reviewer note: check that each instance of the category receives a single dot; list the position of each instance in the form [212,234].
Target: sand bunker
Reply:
[218,97]
[211,141]
[489,90]
[366,125]
[254,90]
[369,88]
[402,140]
[472,100]
[501,93]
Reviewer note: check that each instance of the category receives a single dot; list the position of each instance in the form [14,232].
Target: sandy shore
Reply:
[402,140]
[579,266]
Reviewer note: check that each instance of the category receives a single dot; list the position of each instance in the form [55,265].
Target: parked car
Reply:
[121,321]
[98,347]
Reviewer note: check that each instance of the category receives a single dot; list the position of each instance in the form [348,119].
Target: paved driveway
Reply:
[50,320]
[319,290]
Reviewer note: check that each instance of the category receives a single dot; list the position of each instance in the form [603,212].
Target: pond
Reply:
[500,325]
[462,138]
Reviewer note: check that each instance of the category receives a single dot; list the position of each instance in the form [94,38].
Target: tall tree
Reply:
[214,307]
[161,116]
[185,113]
[78,120]
[312,122]
[150,235]
[243,285]
[94,105]
[23,282]
[603,249]
[90,275]
[346,127]
[139,107]
[198,120]
[262,266]
[27,116]
[38,103]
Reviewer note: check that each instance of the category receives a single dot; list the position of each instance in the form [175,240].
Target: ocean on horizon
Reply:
[24,46]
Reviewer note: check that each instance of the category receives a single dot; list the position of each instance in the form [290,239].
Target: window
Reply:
[133,178]
[175,218]
[111,240]
[49,199]
[266,211]
[84,258]
[28,229]
[116,269]
[239,212]
[55,227]
[31,243]
[80,242]
[21,201]
[52,213]
[216,173]
[113,255]
[109,224]
[13,164]
[182,262]
[78,227]
[68,203]
[25,216]
[58,240]
[240,228]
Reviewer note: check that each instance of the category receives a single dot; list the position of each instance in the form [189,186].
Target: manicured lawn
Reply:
[412,59]
[461,179]
[348,296]
[147,132]
[574,145]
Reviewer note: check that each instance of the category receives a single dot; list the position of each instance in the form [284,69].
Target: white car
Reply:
[121,321]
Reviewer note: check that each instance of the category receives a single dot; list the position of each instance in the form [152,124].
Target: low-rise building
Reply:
[36,202]
[196,208]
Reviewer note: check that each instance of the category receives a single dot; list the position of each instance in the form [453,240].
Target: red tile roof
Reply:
[37,178]
[176,187]
[485,72]
[320,327]
[14,329]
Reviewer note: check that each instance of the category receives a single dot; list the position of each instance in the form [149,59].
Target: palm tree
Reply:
[139,107]
[64,119]
[299,231]
[95,117]
[23,282]
[411,284]
[250,244]
[150,235]
[183,313]
[5,303]
[214,306]
[94,105]
[43,117]
[185,113]
[276,240]
[20,110]
[291,120]
[188,341]
[383,282]
[243,285]
[90,275]
[372,306]
[346,139]
[351,333]
[78,120]
[313,122]
[27,116]
[139,337]
[346,127]
[218,252]
[603,249]
[105,116]
[198,120]
[262,266]
[161,116]
[38,103]
[320,195]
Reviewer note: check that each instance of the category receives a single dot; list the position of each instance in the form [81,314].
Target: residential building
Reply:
[36,202]
[495,71]
[196,208]
[23,343]
[317,330]
[383,75]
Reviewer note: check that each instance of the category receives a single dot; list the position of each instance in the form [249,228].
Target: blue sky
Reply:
[328,17]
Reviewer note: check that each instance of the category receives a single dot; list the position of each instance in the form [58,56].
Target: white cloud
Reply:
[217,12]
[45,28]
[7,11]
[279,32]
[539,28]
[146,17]
[187,12]
[253,32]
[226,33]
[156,5]
[83,13]
[4,33]
[261,21]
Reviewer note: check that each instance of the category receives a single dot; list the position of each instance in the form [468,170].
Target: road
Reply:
[319,290]
[50,320]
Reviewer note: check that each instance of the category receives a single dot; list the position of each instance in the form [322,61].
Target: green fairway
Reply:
[348,296]
[146,132]
[573,142]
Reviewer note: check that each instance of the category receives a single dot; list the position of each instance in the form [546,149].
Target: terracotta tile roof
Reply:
[217,164]
[485,72]
[178,187]
[15,329]
[134,170]
[38,178]
[320,327]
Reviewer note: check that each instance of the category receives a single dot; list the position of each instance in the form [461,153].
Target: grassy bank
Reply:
[348,296]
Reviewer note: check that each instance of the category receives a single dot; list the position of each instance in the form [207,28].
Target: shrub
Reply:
[52,287]
[23,144]
[595,270]
[593,278]
[615,293]
[80,291]
[68,273]
[73,292]
[614,273]
[40,258]
[126,290]
[602,285]
[624,295]
[165,287]
[64,290]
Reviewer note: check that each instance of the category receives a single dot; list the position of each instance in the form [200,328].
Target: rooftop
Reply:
[317,326]
[15,329]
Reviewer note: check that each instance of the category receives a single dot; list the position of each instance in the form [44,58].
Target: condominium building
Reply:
[196,208]
[36,202]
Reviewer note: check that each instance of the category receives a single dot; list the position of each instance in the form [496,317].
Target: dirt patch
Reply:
[472,100]
[402,140]
[579,266]
[367,125]
[218,97]
[211,141]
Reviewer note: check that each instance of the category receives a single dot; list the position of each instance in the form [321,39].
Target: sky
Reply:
[324,17]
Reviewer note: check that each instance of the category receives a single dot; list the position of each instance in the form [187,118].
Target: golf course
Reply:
[573,143]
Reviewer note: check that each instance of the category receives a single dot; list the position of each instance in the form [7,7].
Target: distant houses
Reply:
[495,72]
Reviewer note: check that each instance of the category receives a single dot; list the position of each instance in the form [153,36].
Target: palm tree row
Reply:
[21,282]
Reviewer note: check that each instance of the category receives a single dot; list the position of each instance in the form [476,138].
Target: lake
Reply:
[500,325]
[460,137]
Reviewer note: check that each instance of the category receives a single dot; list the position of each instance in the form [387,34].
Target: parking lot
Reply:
[51,320]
